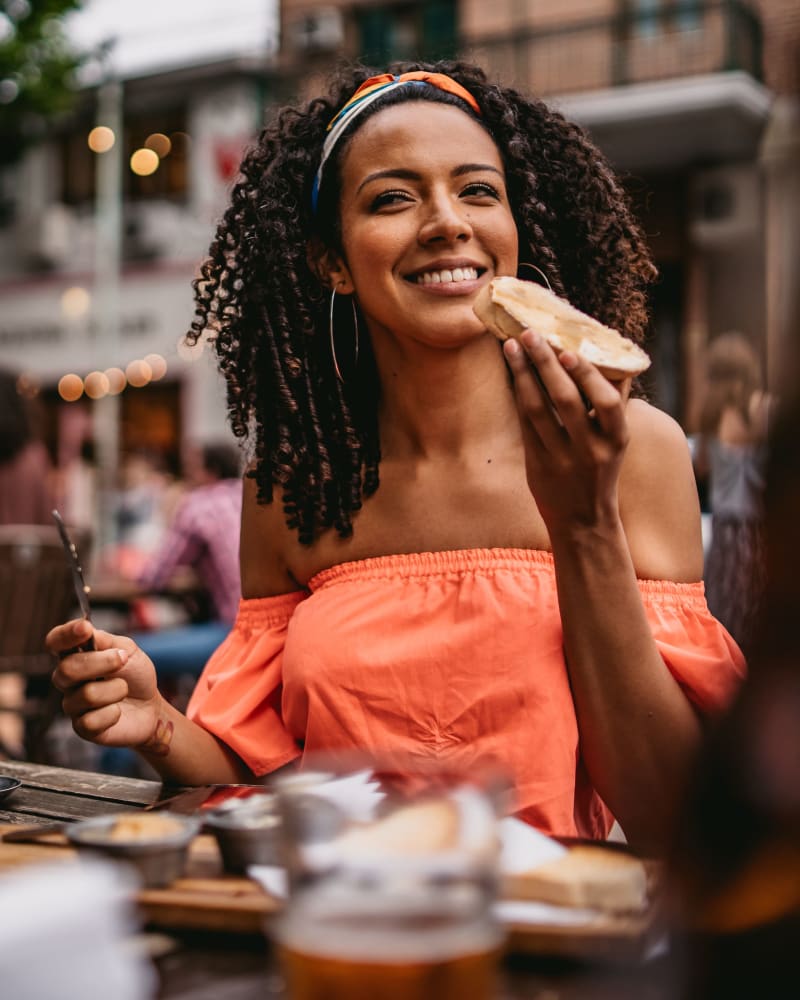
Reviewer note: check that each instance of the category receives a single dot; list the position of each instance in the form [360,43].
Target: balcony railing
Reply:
[674,39]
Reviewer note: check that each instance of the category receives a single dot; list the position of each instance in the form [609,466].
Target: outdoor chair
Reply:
[36,593]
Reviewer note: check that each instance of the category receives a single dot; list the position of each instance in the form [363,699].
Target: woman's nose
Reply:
[446,220]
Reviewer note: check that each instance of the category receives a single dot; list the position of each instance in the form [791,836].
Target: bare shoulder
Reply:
[265,545]
[658,498]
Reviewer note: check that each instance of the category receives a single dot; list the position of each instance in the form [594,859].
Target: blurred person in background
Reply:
[736,859]
[78,488]
[142,507]
[203,536]
[729,455]
[25,469]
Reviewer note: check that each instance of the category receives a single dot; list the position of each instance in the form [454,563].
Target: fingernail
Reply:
[123,656]
[83,629]
[569,360]
[531,339]
[512,348]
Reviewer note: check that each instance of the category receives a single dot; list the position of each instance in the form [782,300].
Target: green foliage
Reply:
[37,70]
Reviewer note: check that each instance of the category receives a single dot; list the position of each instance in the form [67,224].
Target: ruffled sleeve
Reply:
[699,652]
[238,695]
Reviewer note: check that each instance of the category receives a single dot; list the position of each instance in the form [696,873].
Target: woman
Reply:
[730,453]
[434,558]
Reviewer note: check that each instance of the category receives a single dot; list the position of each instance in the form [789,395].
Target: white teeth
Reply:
[445,275]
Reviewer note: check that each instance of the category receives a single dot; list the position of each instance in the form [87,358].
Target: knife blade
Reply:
[79,584]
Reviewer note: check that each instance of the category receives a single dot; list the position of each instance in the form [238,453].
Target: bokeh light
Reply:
[159,143]
[70,387]
[138,373]
[27,386]
[116,380]
[158,366]
[144,162]
[75,302]
[95,385]
[101,139]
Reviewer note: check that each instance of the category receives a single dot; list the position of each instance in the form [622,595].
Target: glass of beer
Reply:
[392,873]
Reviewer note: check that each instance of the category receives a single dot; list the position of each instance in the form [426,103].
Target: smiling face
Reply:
[425,222]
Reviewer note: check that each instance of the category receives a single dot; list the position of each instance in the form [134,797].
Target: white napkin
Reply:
[523,847]
[358,795]
[66,931]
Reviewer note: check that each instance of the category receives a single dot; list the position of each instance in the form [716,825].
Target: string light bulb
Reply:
[138,373]
[70,387]
[96,385]
[101,139]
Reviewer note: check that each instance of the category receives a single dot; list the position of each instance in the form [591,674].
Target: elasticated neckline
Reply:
[426,565]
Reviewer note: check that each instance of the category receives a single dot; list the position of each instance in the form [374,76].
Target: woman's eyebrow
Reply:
[475,168]
[413,175]
[406,175]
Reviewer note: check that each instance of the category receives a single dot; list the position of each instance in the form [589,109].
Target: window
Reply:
[170,180]
[651,17]
[407,31]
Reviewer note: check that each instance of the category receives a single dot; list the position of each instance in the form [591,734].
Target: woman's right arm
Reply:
[113,700]
[111,693]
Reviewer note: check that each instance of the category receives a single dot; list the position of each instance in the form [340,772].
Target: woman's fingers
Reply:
[533,398]
[563,394]
[81,667]
[65,637]
[600,398]
[93,695]
[91,724]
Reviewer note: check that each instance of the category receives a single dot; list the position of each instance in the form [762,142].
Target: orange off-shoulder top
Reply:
[455,655]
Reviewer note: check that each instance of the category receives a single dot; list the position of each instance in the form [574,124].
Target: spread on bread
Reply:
[508,306]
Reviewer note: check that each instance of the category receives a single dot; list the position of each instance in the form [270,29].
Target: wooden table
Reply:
[233,959]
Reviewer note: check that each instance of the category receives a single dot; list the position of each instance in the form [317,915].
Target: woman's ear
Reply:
[329,267]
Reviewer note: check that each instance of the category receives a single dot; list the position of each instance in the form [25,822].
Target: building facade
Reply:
[694,102]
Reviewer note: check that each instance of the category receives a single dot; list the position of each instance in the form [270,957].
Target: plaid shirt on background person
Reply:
[204,535]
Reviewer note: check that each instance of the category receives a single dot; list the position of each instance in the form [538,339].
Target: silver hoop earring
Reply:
[539,271]
[336,367]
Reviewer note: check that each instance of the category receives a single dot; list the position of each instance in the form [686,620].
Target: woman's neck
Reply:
[445,402]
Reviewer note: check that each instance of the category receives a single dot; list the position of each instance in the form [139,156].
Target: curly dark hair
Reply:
[260,299]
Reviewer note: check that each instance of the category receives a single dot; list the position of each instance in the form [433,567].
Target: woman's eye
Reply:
[388,198]
[481,189]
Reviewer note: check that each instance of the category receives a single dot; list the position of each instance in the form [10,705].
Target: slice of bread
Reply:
[508,306]
[590,876]
[418,828]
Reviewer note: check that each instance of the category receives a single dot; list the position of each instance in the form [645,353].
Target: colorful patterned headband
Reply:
[369,91]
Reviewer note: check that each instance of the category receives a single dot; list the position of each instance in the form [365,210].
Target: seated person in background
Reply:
[204,537]
[444,552]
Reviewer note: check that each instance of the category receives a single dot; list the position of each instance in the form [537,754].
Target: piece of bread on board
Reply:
[508,306]
[590,876]
[418,828]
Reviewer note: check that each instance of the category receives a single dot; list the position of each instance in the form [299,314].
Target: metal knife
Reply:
[81,587]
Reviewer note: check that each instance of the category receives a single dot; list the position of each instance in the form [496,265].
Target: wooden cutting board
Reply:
[208,899]
[204,899]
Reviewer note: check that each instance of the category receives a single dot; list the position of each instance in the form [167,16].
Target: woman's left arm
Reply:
[638,730]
